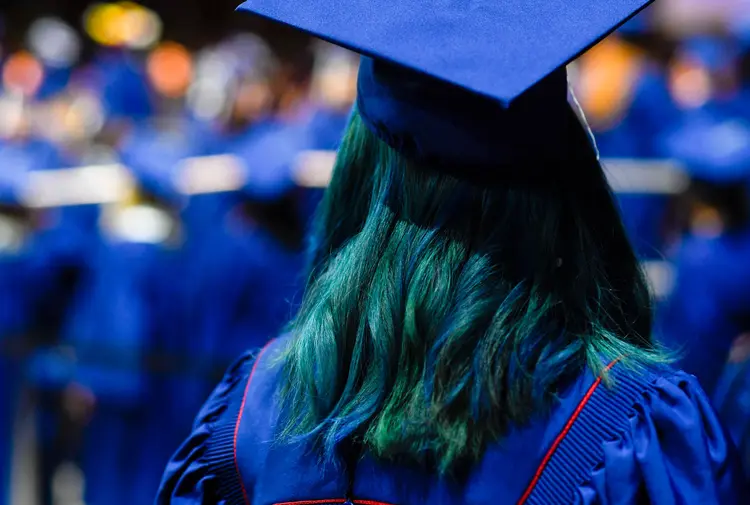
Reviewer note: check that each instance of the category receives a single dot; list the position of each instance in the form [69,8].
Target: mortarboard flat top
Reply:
[496,48]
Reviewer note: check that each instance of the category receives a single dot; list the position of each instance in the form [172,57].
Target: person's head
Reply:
[468,259]
[252,101]
[291,83]
[281,218]
[439,312]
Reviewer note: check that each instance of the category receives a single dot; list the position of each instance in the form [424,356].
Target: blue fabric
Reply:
[708,306]
[732,401]
[243,291]
[466,129]
[108,324]
[715,53]
[636,135]
[9,373]
[436,94]
[19,283]
[712,143]
[327,127]
[269,154]
[55,81]
[29,154]
[497,49]
[122,84]
[122,303]
[153,155]
[669,448]
[644,218]
[230,285]
[674,451]
[113,458]
[13,179]
[639,25]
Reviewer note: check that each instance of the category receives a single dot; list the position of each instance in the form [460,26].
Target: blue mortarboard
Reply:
[478,84]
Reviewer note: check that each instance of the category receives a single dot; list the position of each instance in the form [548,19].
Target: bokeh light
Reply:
[209,92]
[690,84]
[55,42]
[23,74]
[335,82]
[123,24]
[170,69]
[607,75]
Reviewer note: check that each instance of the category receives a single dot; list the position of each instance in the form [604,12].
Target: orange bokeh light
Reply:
[689,83]
[608,76]
[170,69]
[23,74]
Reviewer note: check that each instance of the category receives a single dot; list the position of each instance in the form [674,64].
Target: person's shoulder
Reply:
[649,377]
[259,361]
[669,443]
[636,384]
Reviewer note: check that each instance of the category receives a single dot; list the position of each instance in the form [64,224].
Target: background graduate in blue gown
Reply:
[708,307]
[16,311]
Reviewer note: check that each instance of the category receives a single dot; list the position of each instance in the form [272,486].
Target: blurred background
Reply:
[159,165]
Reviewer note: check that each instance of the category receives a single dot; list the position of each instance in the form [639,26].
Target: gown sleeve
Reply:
[674,451]
[191,476]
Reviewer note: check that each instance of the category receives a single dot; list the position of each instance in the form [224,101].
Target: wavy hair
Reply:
[439,313]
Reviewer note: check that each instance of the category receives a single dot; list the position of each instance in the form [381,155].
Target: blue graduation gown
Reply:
[710,303]
[732,401]
[123,85]
[244,289]
[236,288]
[15,315]
[109,327]
[652,439]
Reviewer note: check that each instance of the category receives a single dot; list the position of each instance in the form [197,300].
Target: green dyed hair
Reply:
[439,313]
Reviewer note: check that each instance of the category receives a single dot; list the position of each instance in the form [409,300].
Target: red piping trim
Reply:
[333,501]
[562,435]
[239,421]
[312,502]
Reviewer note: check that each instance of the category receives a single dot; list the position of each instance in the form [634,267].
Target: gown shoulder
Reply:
[673,450]
[196,471]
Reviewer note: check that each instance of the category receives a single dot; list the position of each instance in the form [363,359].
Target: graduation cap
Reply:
[475,84]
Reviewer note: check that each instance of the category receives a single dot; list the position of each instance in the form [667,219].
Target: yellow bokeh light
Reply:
[102,23]
[122,24]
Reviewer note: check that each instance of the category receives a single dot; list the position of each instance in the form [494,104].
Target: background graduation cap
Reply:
[478,86]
